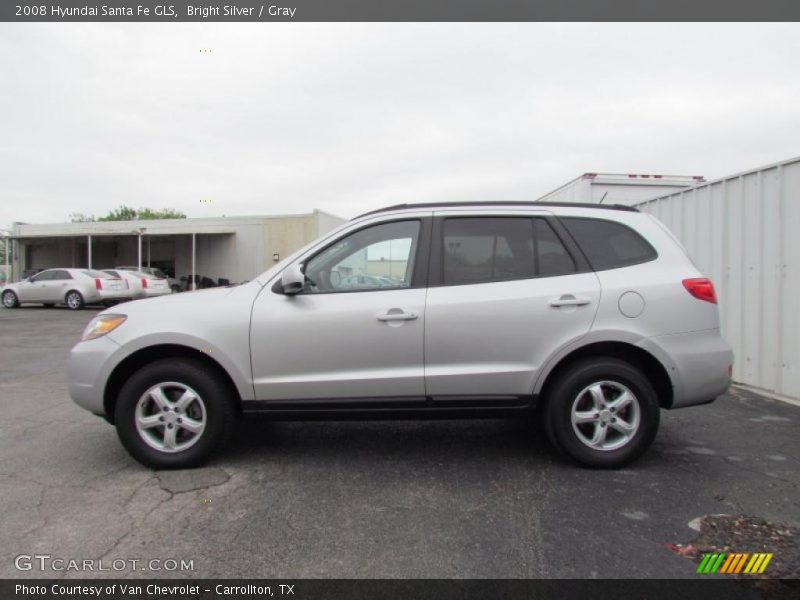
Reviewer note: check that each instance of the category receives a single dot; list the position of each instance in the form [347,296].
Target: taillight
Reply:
[701,288]
[98,284]
[144,283]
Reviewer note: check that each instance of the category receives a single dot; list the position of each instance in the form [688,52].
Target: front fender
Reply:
[227,359]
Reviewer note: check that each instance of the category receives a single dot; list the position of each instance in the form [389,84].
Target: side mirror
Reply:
[293,280]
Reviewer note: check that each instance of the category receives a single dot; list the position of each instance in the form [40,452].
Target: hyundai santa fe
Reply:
[592,315]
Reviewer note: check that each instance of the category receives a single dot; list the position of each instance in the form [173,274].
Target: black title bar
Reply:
[399,10]
[396,589]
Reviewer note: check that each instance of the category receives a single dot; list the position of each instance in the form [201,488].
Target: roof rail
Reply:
[500,203]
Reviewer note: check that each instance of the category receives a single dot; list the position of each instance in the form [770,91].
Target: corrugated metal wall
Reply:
[743,232]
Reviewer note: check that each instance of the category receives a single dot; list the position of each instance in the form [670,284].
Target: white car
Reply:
[143,285]
[73,287]
[173,283]
[364,281]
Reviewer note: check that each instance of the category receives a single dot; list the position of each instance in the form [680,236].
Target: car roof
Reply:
[495,204]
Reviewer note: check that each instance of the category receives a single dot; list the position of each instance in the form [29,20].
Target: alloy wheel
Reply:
[170,417]
[73,300]
[605,415]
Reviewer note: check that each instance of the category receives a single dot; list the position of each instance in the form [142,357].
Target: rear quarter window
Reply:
[608,244]
[96,274]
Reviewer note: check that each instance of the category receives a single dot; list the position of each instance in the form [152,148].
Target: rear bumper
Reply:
[152,293]
[106,295]
[697,362]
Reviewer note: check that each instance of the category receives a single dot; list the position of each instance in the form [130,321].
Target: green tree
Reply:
[126,213]
[148,214]
[123,213]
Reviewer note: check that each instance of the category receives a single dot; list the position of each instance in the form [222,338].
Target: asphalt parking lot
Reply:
[486,498]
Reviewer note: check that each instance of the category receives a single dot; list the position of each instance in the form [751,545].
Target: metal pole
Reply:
[89,251]
[194,262]
[139,266]
[7,248]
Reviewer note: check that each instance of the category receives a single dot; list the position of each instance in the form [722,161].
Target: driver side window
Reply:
[43,276]
[375,258]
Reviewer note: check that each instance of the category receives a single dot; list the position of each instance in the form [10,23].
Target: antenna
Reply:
[603,198]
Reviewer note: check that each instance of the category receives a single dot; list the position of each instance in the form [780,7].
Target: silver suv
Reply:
[592,314]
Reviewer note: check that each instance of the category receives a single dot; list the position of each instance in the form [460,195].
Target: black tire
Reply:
[10,299]
[74,300]
[564,393]
[220,412]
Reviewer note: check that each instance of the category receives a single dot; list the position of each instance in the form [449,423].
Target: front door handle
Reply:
[397,314]
[569,300]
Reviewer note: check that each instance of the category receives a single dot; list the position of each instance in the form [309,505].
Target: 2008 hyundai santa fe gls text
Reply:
[593,313]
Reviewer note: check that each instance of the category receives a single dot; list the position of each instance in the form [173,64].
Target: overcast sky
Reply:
[283,118]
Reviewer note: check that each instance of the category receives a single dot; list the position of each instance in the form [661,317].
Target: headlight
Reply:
[101,325]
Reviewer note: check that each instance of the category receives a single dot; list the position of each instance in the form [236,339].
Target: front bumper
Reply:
[698,362]
[90,364]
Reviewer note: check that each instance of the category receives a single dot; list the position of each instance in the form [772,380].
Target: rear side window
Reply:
[96,274]
[479,250]
[608,244]
[551,256]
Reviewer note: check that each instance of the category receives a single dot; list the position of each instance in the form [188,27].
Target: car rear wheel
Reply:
[601,413]
[10,299]
[173,414]
[74,300]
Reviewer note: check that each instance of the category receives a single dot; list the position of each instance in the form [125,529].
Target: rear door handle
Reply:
[397,314]
[569,300]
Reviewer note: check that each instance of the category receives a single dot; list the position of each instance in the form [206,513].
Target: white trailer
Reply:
[743,231]
[617,188]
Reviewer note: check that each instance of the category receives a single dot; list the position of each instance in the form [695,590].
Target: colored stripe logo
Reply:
[734,562]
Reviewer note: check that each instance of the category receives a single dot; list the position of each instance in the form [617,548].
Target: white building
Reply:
[618,188]
[232,248]
[743,232]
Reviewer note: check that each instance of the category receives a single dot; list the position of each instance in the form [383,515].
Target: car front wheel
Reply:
[10,299]
[602,413]
[173,414]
